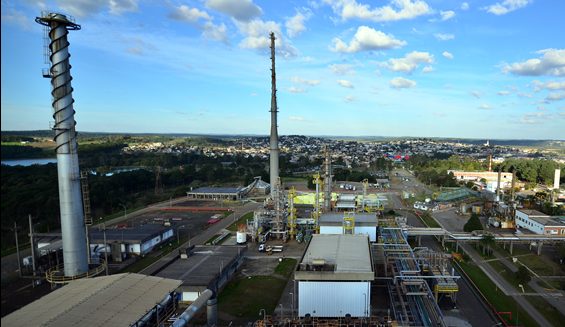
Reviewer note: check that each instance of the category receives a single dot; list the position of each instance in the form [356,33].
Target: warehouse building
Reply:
[345,223]
[204,267]
[216,193]
[334,277]
[123,242]
[116,300]
[539,222]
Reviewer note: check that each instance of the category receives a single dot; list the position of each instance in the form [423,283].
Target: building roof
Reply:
[549,221]
[345,257]
[203,265]
[532,213]
[218,190]
[116,300]
[363,218]
[136,234]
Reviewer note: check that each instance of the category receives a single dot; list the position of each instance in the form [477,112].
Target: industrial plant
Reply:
[359,265]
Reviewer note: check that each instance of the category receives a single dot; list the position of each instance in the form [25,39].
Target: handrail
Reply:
[52,274]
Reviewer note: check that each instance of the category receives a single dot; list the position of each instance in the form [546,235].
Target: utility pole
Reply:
[17,249]
[32,242]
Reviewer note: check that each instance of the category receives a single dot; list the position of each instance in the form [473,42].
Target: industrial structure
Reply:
[334,277]
[350,223]
[73,227]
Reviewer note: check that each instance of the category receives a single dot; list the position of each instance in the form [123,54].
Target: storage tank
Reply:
[477,209]
[241,237]
[463,208]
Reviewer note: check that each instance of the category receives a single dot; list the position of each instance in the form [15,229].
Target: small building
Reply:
[337,223]
[216,193]
[122,242]
[489,176]
[204,267]
[115,300]
[334,277]
[539,222]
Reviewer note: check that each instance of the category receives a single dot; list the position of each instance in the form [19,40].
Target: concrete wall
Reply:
[334,299]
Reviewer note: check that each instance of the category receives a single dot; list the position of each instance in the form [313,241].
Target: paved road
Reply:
[503,285]
[203,236]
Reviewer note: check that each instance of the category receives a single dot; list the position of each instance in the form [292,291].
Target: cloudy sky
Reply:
[481,69]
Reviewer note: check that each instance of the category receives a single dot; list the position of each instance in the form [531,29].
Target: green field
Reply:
[244,297]
[242,220]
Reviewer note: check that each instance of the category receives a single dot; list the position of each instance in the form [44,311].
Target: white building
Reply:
[334,277]
[363,223]
[539,222]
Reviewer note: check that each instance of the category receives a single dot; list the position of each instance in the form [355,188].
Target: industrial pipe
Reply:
[75,253]
[191,311]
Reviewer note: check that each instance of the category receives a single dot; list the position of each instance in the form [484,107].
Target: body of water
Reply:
[29,162]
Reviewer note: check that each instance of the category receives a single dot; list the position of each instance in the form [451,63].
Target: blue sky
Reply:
[477,69]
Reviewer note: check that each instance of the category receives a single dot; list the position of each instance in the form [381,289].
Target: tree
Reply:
[473,224]
[523,275]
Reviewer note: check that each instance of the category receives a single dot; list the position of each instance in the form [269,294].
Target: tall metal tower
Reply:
[274,141]
[75,253]
[327,180]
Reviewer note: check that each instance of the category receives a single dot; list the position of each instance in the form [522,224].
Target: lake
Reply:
[29,162]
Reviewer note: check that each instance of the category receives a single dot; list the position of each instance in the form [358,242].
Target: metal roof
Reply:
[218,190]
[135,234]
[338,218]
[203,265]
[349,253]
[116,300]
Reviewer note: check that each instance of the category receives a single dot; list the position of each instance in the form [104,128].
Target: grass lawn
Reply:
[496,297]
[242,220]
[246,296]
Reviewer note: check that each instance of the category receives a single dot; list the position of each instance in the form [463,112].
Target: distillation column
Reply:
[327,180]
[75,254]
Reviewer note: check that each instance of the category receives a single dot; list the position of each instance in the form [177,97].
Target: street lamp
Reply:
[282,313]
[105,249]
[124,206]
[264,313]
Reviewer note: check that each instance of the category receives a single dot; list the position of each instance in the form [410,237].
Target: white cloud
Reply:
[552,62]
[447,55]
[464,6]
[296,118]
[427,69]
[295,24]
[506,6]
[241,10]
[503,93]
[410,62]
[256,34]
[294,89]
[13,16]
[447,15]
[444,37]
[476,94]
[312,82]
[401,83]
[83,8]
[215,32]
[342,69]
[485,106]
[187,14]
[551,85]
[349,98]
[534,118]
[555,96]
[366,39]
[396,10]
[345,83]
[194,15]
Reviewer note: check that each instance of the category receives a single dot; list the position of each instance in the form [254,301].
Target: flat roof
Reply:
[367,218]
[138,233]
[549,221]
[348,256]
[218,190]
[531,212]
[203,265]
[115,300]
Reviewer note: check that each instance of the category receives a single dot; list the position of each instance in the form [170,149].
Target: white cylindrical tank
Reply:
[241,237]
